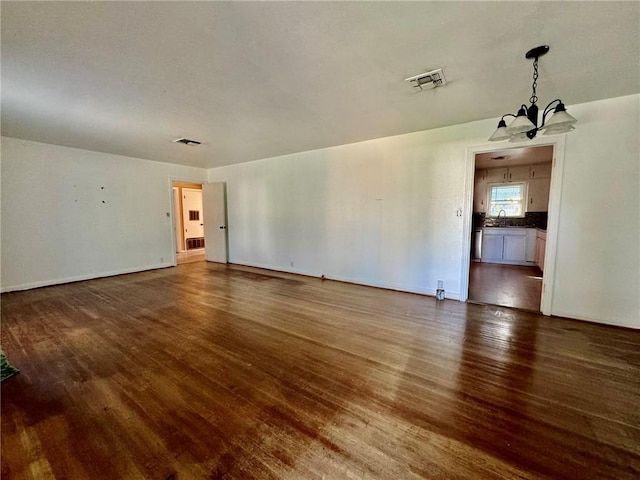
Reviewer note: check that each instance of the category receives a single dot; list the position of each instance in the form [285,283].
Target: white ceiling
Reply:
[259,79]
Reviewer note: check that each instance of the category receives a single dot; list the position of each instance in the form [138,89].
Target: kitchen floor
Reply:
[505,285]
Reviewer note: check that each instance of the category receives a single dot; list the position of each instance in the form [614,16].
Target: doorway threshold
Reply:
[190,256]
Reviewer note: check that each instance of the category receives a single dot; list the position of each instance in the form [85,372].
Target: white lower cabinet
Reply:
[541,242]
[492,247]
[515,246]
[530,256]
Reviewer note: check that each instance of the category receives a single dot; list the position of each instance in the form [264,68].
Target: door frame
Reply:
[172,220]
[553,222]
[175,210]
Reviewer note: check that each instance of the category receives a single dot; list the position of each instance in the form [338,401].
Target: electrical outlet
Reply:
[440,290]
[291,263]
[161,259]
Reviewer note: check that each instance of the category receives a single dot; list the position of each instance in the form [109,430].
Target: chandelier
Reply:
[525,126]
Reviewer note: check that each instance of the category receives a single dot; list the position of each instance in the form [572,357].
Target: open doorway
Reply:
[509,224]
[188,222]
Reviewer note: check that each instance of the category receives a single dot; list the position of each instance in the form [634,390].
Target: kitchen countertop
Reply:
[509,226]
[506,230]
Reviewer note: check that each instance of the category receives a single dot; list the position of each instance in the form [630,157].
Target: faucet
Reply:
[505,215]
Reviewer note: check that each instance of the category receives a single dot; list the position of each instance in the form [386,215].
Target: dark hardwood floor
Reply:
[514,286]
[207,371]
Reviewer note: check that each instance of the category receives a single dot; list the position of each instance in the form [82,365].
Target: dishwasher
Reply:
[476,244]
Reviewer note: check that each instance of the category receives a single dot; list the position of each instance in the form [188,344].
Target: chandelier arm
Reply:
[548,109]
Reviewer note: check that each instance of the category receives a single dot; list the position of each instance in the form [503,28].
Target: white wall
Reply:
[598,259]
[383,212]
[70,214]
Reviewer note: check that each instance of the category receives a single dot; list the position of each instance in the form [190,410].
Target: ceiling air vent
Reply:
[428,80]
[186,141]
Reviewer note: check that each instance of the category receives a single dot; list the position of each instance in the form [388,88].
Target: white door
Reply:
[215,221]
[192,218]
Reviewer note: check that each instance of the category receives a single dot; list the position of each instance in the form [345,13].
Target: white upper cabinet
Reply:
[540,171]
[496,175]
[536,176]
[519,173]
[538,195]
[480,196]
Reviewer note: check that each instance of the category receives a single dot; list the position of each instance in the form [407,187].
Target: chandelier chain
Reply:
[534,97]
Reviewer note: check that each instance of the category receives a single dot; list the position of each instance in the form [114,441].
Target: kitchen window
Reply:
[507,199]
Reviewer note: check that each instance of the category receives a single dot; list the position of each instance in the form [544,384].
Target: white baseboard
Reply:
[358,281]
[624,323]
[355,280]
[79,278]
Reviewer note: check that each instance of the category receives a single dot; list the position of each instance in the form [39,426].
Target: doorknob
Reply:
[222,227]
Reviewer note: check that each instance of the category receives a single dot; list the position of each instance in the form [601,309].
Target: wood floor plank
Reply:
[229,372]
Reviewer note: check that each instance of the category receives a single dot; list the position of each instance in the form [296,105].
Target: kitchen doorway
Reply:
[507,236]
